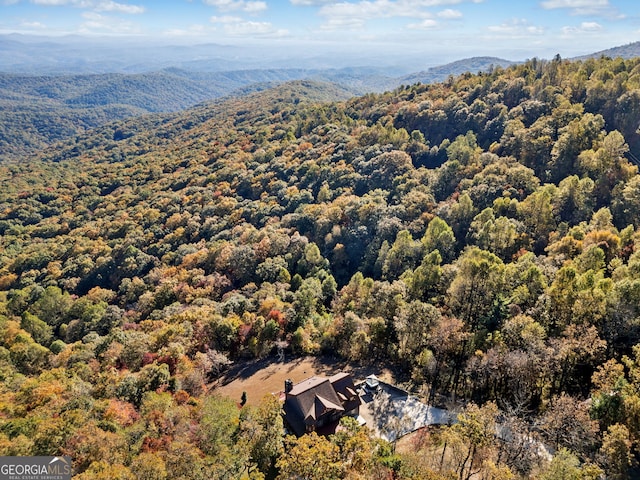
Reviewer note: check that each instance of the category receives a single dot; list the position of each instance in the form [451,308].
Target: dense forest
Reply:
[480,235]
[39,110]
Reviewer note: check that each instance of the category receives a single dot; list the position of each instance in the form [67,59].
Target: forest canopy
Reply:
[480,234]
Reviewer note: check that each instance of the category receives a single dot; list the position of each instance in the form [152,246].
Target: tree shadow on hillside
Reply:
[245,369]
[325,365]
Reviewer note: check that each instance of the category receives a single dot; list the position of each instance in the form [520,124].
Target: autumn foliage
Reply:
[479,235]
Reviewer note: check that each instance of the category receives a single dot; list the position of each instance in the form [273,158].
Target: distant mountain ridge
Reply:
[165,90]
[76,55]
[37,110]
[442,72]
[41,109]
[631,50]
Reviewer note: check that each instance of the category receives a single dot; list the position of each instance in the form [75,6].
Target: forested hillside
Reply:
[442,72]
[628,51]
[480,234]
[37,111]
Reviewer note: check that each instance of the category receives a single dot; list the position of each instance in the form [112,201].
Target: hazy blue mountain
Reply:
[53,88]
[77,55]
[630,50]
[442,72]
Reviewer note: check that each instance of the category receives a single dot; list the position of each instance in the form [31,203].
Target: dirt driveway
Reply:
[264,376]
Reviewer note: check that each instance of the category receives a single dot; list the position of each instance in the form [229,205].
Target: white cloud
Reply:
[373,9]
[79,3]
[98,6]
[551,4]
[192,31]
[255,7]
[415,3]
[590,26]
[225,19]
[98,23]
[584,7]
[343,12]
[426,24]
[248,28]
[449,14]
[343,23]
[33,25]
[224,4]
[111,6]
[585,27]
[310,2]
[239,27]
[247,6]
[516,28]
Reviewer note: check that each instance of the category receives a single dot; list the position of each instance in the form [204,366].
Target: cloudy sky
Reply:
[510,28]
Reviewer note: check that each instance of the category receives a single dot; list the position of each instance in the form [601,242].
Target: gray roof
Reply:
[314,397]
[307,384]
[345,389]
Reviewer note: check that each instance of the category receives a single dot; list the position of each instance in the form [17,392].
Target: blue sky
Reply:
[510,28]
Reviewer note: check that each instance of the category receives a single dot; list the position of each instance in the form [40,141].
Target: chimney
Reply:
[288,385]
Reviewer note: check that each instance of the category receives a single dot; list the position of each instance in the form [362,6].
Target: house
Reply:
[319,402]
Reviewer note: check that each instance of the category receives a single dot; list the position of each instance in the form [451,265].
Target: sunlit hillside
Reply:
[479,236]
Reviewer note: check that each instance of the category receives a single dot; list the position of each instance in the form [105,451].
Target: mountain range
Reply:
[478,236]
[627,51]
[39,109]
